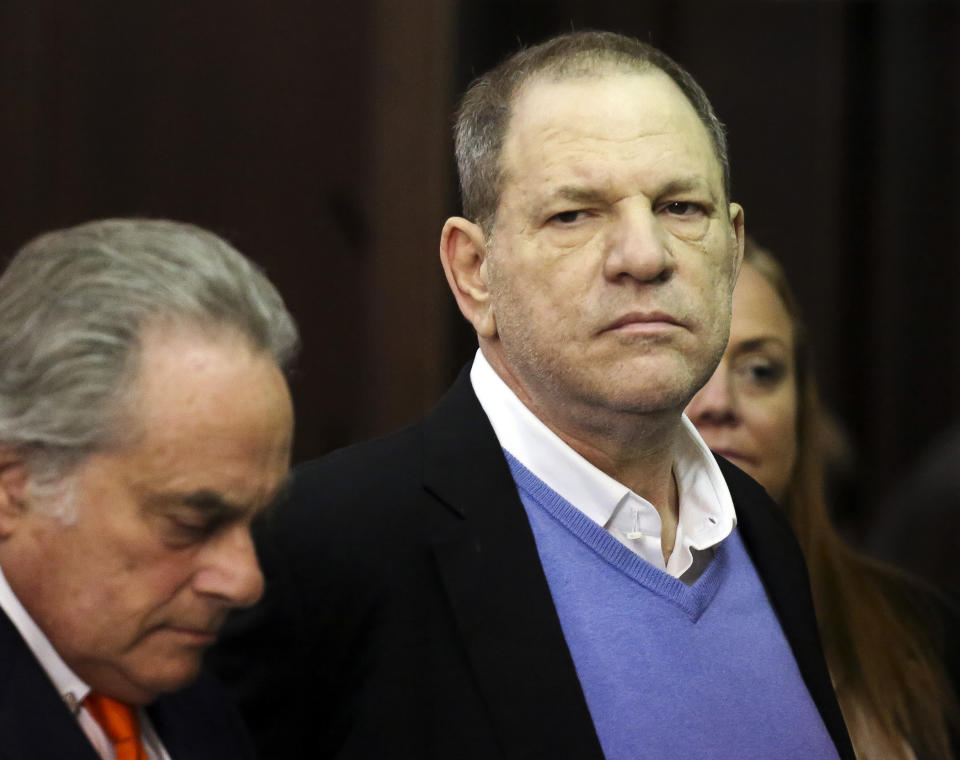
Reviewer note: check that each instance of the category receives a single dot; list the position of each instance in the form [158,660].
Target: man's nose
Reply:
[637,246]
[230,570]
[716,402]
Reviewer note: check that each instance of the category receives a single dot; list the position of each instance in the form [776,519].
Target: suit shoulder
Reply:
[356,495]
[359,470]
[400,445]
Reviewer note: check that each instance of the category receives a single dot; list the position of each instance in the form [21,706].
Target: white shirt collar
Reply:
[68,684]
[706,509]
[70,687]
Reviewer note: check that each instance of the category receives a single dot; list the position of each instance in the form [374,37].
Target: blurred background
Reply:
[316,137]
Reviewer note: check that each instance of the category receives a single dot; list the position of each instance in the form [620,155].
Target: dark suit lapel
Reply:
[497,590]
[765,532]
[500,597]
[173,727]
[35,724]
[198,722]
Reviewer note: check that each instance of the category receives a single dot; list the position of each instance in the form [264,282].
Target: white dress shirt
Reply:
[70,687]
[706,514]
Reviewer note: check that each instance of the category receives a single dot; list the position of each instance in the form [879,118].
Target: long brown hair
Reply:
[882,641]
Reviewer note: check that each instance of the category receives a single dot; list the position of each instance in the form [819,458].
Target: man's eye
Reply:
[568,217]
[192,528]
[187,528]
[683,208]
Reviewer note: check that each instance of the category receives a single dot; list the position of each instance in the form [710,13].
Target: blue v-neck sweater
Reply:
[670,670]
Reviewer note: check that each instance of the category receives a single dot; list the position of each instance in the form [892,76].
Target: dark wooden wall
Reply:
[313,135]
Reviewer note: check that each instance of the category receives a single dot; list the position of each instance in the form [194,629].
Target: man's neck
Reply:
[643,463]
[635,449]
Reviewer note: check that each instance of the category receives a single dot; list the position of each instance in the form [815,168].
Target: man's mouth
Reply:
[195,636]
[643,321]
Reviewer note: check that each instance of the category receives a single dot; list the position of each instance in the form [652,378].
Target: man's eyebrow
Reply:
[589,195]
[208,501]
[690,184]
[579,194]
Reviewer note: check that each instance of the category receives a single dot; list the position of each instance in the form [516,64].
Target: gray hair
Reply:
[73,307]
[484,114]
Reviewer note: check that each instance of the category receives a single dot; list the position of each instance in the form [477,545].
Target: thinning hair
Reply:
[485,110]
[74,305]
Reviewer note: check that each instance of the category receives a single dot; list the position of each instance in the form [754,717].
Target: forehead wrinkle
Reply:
[570,152]
[564,144]
[544,152]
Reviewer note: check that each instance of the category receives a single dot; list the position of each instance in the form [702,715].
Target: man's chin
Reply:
[668,390]
[163,676]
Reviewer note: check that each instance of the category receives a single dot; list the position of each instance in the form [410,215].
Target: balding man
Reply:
[144,422]
[552,564]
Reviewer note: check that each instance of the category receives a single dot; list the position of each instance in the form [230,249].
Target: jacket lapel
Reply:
[198,721]
[497,590]
[172,726]
[499,595]
[35,724]
[765,532]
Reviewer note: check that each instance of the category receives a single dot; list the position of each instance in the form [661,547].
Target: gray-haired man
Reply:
[144,422]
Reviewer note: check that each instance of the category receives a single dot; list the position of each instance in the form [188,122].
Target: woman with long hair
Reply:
[884,635]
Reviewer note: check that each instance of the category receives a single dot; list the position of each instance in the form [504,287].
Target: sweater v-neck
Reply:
[692,599]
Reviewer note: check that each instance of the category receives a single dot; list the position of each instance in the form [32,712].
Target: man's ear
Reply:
[463,254]
[14,476]
[736,220]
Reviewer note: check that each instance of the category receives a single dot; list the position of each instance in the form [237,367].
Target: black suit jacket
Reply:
[407,614]
[197,723]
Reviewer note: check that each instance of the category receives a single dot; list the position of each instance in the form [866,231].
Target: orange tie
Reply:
[119,722]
